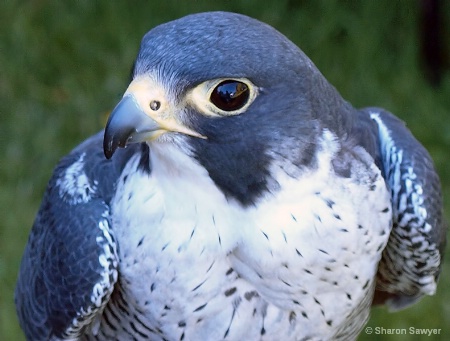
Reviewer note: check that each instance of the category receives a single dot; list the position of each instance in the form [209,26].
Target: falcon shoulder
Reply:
[411,261]
[69,266]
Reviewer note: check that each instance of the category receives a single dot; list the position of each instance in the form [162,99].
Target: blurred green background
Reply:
[64,65]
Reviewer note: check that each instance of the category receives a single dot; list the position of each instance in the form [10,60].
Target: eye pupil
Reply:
[230,95]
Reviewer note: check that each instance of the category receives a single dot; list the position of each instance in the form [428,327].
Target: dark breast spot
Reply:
[250,294]
[230,291]
[292,317]
[229,271]
[200,307]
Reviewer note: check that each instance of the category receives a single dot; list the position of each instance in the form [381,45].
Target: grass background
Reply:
[64,65]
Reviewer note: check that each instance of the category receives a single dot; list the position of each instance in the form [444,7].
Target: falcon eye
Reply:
[230,95]
[220,97]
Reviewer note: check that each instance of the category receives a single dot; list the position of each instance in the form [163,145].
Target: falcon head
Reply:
[235,94]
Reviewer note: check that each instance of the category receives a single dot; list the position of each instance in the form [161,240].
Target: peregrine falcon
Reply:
[233,195]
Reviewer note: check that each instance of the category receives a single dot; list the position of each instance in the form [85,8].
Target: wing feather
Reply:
[69,266]
[411,262]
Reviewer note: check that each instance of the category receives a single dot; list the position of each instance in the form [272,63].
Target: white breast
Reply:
[198,265]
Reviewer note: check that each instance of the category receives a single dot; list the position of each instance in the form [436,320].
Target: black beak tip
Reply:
[122,125]
[113,140]
[109,147]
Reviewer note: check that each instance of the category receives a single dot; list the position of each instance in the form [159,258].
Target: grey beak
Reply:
[127,124]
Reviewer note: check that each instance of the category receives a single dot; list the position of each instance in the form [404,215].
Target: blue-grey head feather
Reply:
[294,104]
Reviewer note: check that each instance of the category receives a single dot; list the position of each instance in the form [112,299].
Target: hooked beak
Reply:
[143,114]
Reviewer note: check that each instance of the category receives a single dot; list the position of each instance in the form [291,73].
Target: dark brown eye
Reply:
[230,95]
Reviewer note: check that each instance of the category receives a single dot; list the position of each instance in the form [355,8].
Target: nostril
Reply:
[155,105]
